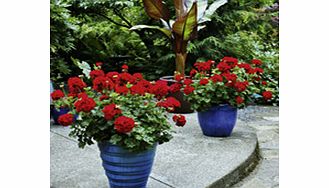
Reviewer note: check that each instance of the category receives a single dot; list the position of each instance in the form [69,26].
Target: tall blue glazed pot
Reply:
[218,121]
[56,113]
[126,169]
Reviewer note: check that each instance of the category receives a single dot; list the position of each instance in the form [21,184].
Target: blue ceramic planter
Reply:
[218,121]
[55,114]
[125,169]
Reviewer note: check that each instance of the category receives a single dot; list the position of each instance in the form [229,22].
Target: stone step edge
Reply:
[242,171]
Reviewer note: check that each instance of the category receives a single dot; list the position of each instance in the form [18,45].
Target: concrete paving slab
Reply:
[190,160]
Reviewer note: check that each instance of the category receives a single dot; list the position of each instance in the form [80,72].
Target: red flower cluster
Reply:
[98,64]
[245,66]
[231,61]
[76,85]
[239,100]
[85,104]
[193,72]
[126,77]
[124,124]
[187,81]
[179,120]
[179,77]
[121,89]
[241,86]
[113,76]
[170,104]
[103,97]
[159,89]
[66,119]
[204,81]
[267,95]
[110,111]
[138,89]
[204,66]
[100,83]
[223,67]
[216,78]
[256,62]
[138,76]
[188,89]
[125,67]
[96,73]
[173,88]
[57,94]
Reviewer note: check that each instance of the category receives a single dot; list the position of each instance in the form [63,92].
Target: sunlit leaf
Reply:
[163,30]
[185,25]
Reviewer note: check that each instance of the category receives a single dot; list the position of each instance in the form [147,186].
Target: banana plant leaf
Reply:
[167,32]
[185,25]
[156,9]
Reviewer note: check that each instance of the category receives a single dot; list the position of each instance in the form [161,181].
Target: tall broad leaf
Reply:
[156,9]
[185,25]
[202,6]
[163,30]
[212,8]
[179,8]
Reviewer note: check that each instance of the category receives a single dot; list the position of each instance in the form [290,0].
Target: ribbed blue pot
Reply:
[126,169]
[218,121]
[55,114]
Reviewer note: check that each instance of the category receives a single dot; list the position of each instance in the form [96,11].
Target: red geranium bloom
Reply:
[98,64]
[103,97]
[267,95]
[173,88]
[82,95]
[179,77]
[258,70]
[241,86]
[138,76]
[110,111]
[256,62]
[100,83]
[188,89]
[223,66]
[179,120]
[121,89]
[137,89]
[230,77]
[126,77]
[57,94]
[96,73]
[187,81]
[203,66]
[264,83]
[85,104]
[204,81]
[159,89]
[251,71]
[193,72]
[170,104]
[76,85]
[125,67]
[246,66]
[216,78]
[66,119]
[124,124]
[239,100]
[114,76]
[231,61]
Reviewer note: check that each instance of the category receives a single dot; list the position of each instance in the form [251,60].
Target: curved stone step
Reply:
[193,160]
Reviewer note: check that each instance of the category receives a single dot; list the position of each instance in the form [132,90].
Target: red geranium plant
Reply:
[121,108]
[227,82]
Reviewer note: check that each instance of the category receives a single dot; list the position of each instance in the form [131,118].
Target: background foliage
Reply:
[98,30]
